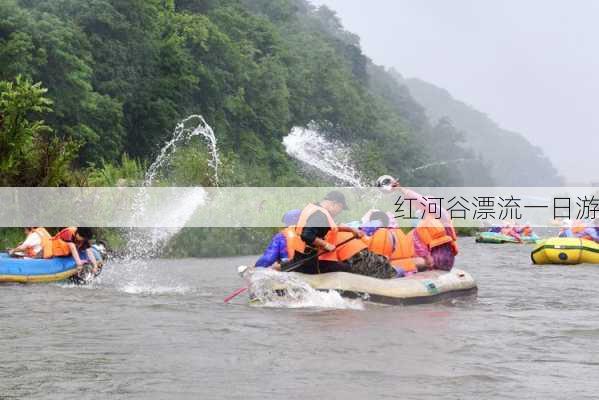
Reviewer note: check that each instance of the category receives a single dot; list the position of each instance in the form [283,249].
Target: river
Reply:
[163,332]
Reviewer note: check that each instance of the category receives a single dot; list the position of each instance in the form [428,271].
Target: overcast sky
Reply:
[531,65]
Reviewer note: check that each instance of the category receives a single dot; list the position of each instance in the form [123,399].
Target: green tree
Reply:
[55,51]
[30,154]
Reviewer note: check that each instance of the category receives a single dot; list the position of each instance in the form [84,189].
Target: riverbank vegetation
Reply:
[90,90]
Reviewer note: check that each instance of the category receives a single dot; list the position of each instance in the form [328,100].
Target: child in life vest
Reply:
[277,251]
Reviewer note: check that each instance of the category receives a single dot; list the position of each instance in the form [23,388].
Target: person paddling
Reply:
[322,246]
[317,234]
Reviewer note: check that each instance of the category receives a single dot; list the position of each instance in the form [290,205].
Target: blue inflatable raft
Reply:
[27,270]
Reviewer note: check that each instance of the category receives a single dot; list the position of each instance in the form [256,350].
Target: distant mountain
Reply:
[513,160]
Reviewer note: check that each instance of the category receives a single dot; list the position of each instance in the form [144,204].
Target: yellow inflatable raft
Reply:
[567,251]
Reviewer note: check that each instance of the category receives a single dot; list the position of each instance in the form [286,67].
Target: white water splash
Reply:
[144,244]
[330,157]
[138,277]
[125,281]
[265,285]
[442,164]
[190,127]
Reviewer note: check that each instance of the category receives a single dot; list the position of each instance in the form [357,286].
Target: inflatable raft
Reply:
[566,251]
[420,288]
[28,270]
[499,238]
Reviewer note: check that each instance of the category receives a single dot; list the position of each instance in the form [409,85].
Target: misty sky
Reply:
[532,66]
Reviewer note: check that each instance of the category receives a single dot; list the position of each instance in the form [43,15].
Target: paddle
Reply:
[294,266]
[290,268]
[236,293]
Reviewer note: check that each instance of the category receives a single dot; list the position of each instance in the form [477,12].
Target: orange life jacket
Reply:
[578,227]
[351,248]
[290,238]
[297,244]
[381,242]
[395,245]
[45,236]
[58,247]
[432,233]
[403,253]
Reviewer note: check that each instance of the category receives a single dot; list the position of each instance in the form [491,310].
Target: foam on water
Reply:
[139,277]
[332,158]
[264,285]
[153,289]
[131,287]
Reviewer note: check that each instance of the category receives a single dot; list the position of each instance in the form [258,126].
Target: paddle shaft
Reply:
[236,293]
[298,264]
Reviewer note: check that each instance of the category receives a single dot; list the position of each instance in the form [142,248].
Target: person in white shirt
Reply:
[32,246]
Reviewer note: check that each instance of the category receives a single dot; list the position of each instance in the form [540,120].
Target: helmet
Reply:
[291,217]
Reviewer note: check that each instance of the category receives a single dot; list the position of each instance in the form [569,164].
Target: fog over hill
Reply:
[531,66]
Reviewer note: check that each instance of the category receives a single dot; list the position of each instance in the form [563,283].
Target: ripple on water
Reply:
[165,332]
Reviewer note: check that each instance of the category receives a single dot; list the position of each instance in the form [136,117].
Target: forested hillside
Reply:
[120,74]
[514,161]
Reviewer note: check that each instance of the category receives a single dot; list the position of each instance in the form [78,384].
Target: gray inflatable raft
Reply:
[420,288]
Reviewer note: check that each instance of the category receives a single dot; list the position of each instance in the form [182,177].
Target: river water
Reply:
[164,332]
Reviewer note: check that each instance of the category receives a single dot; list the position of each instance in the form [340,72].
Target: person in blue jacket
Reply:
[276,252]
